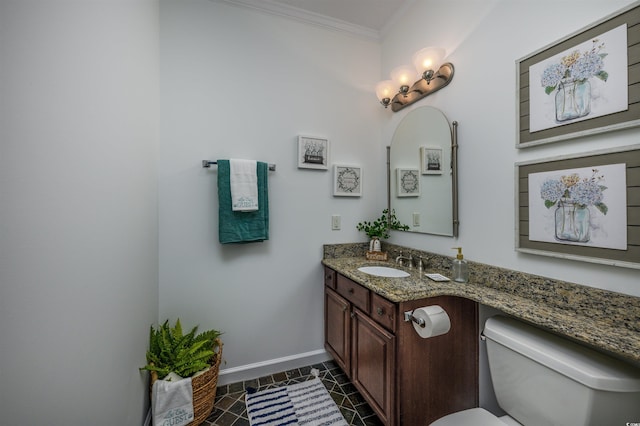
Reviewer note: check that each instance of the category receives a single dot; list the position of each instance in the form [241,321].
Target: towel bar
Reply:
[206,164]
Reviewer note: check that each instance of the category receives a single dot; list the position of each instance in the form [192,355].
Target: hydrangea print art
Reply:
[586,81]
[579,206]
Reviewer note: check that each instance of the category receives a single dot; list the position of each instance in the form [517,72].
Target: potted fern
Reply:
[195,355]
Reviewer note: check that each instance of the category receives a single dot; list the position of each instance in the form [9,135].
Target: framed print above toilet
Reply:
[583,84]
[582,207]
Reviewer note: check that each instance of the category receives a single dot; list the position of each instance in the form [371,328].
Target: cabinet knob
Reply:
[350,291]
[380,311]
[353,315]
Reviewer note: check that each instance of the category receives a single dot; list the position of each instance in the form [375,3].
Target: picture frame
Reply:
[547,83]
[431,160]
[347,181]
[313,153]
[609,200]
[408,182]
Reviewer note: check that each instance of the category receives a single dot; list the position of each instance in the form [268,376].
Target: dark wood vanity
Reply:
[406,379]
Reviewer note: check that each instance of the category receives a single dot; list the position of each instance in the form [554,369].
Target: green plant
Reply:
[380,227]
[184,354]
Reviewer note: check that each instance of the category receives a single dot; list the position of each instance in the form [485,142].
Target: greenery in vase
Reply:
[380,227]
[184,354]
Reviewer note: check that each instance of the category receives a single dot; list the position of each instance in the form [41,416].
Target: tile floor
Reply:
[230,409]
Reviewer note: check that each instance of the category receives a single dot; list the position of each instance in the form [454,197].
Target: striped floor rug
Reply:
[306,403]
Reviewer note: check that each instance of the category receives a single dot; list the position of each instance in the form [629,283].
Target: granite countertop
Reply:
[602,319]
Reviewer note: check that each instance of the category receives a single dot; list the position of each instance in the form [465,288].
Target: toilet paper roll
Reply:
[436,321]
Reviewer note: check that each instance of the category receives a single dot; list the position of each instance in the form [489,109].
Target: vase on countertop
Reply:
[374,244]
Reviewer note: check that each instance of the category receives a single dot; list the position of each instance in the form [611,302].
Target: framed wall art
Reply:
[583,84]
[408,182]
[347,181]
[431,160]
[313,153]
[584,207]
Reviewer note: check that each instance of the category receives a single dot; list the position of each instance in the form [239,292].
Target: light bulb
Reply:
[427,61]
[403,77]
[385,91]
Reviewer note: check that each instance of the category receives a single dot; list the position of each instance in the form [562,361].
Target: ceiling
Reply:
[364,17]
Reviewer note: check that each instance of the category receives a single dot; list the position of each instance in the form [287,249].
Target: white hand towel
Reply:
[172,402]
[243,177]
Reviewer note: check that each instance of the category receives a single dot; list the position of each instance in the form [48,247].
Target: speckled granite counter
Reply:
[603,319]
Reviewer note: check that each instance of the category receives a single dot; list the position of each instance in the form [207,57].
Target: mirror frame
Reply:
[454,180]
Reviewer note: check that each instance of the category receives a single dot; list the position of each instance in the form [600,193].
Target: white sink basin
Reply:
[383,271]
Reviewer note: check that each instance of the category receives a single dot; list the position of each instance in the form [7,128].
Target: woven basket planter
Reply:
[204,388]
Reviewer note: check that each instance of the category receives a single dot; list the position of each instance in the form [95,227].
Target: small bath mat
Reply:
[306,403]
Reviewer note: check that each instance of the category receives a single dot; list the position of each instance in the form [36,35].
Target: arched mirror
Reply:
[422,170]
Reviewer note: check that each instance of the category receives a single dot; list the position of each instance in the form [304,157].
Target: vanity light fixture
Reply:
[399,92]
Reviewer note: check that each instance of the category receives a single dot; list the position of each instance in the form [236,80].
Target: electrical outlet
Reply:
[335,222]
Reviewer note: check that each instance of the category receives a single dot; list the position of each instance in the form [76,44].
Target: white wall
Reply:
[237,83]
[78,209]
[483,41]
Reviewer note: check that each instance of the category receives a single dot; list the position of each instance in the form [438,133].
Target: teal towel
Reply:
[242,227]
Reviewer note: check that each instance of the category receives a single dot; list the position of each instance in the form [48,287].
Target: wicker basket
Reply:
[204,388]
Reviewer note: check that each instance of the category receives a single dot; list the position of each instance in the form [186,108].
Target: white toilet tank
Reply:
[542,379]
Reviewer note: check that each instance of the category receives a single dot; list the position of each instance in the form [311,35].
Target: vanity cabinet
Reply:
[405,379]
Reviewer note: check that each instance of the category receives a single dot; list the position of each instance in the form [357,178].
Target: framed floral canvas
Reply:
[583,207]
[581,85]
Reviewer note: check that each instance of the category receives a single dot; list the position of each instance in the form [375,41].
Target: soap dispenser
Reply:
[460,267]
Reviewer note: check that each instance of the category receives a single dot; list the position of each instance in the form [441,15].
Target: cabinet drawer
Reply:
[383,312]
[329,277]
[353,292]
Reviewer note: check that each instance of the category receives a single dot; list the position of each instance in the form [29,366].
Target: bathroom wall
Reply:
[237,83]
[483,41]
[78,209]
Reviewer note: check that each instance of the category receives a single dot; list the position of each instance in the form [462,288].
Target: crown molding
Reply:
[305,16]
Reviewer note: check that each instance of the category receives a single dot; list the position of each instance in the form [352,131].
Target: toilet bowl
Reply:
[542,379]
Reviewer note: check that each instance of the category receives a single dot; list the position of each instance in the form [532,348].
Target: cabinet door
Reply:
[337,330]
[373,365]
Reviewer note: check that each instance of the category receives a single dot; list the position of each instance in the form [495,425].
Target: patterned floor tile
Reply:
[230,408]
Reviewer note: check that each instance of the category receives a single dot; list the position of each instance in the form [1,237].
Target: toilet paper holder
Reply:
[408,317]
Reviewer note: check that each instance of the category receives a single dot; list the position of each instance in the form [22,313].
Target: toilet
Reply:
[542,379]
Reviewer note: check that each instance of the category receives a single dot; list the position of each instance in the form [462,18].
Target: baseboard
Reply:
[265,368]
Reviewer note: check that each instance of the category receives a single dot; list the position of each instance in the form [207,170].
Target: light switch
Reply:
[335,222]
[416,219]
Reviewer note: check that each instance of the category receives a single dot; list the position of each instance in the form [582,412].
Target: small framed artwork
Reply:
[582,84]
[347,181]
[583,207]
[408,182]
[313,153]
[431,160]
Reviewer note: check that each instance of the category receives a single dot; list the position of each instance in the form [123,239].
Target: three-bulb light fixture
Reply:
[403,89]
